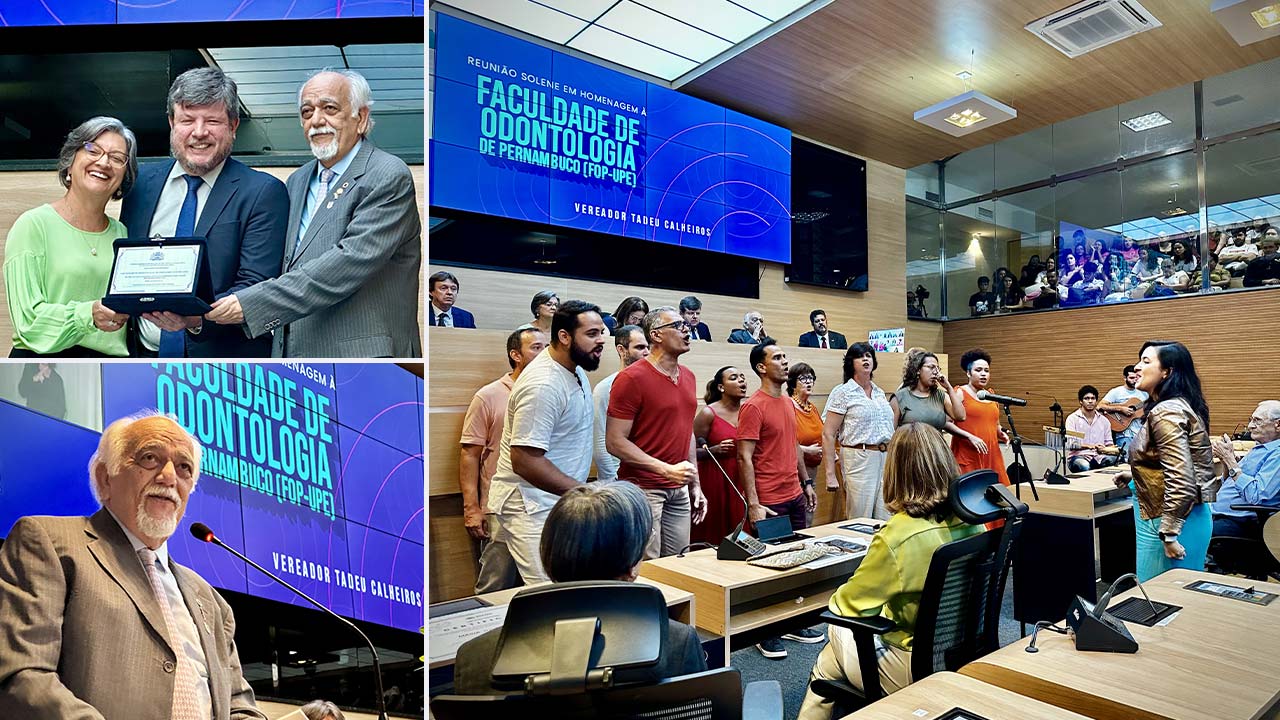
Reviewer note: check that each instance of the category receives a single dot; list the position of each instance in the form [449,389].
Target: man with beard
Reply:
[1114,402]
[204,192]
[650,429]
[546,437]
[353,250]
[98,621]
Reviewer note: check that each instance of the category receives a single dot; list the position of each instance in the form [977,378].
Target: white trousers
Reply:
[863,483]
[839,661]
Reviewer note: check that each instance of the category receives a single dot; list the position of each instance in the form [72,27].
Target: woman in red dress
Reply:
[978,445]
[717,422]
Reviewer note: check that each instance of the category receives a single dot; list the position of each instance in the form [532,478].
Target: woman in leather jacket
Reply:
[1171,462]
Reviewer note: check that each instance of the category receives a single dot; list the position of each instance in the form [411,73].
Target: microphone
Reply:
[204,534]
[732,547]
[1002,399]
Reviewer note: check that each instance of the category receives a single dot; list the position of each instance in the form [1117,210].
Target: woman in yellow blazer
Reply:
[918,470]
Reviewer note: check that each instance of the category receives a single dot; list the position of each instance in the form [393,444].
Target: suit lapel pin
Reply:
[326,207]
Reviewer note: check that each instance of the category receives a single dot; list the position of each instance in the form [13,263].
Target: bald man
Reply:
[96,621]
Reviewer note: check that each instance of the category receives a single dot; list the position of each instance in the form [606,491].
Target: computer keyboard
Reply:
[786,559]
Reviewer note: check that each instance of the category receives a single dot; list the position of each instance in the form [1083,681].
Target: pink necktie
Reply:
[185,704]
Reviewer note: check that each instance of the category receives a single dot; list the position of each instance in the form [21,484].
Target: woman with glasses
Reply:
[859,421]
[631,311]
[926,396]
[717,423]
[800,380]
[544,306]
[57,259]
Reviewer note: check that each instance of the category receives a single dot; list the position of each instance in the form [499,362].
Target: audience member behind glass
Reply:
[917,474]
[57,258]
[544,306]
[594,532]
[1171,463]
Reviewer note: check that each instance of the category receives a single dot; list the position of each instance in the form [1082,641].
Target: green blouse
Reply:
[52,279]
[891,576]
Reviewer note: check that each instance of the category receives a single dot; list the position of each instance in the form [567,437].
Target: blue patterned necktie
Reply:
[174,343]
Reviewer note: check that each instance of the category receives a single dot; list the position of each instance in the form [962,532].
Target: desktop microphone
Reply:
[731,547]
[204,534]
[1002,399]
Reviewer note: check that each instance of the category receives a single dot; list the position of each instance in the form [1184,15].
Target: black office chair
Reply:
[959,615]
[1247,556]
[588,650]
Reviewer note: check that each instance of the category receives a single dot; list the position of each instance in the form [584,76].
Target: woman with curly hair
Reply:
[977,445]
[926,396]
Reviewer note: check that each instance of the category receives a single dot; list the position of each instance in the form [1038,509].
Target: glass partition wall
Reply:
[1174,194]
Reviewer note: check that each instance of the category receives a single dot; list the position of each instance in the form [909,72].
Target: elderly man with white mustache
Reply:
[96,621]
[353,251]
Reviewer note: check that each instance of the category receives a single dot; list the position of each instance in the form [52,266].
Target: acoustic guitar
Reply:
[1121,422]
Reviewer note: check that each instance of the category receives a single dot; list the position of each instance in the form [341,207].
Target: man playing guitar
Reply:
[1123,406]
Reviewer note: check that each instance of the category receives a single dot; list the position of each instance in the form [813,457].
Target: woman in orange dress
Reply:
[717,423]
[800,380]
[978,444]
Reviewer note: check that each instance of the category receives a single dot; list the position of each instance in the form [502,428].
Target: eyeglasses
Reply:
[806,379]
[154,459]
[681,325]
[116,159]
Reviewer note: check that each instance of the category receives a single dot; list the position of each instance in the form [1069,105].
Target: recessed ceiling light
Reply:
[1146,122]
[965,118]
[1267,17]
[964,75]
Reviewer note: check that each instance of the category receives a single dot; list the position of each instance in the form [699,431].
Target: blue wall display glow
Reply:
[528,133]
[110,12]
[313,471]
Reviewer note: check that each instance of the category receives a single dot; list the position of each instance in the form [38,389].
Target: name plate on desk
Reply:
[164,274]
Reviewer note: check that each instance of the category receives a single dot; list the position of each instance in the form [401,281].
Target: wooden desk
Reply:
[734,597]
[1073,536]
[938,693]
[1216,660]
[680,606]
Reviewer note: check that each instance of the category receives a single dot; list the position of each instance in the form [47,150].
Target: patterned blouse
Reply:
[867,420]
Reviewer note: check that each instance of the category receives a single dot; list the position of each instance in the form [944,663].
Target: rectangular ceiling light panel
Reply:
[1146,122]
[966,113]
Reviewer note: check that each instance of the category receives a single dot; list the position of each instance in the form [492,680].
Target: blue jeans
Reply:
[1194,538]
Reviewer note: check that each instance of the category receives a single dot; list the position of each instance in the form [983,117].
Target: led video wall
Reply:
[314,471]
[18,13]
[524,132]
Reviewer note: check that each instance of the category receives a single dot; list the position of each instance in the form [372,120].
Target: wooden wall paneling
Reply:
[23,190]
[1054,353]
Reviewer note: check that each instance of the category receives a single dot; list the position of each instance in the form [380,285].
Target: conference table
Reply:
[733,597]
[1073,536]
[939,693]
[1217,659]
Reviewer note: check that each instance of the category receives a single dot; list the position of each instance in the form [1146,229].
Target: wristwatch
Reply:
[1168,537]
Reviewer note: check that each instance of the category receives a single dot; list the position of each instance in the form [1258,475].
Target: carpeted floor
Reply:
[793,672]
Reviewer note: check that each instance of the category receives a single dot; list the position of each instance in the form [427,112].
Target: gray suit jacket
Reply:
[83,637]
[349,288]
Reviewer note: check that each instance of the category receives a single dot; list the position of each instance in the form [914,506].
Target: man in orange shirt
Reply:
[770,464]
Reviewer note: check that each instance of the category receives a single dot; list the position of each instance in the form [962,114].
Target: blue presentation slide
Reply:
[109,12]
[314,471]
[524,132]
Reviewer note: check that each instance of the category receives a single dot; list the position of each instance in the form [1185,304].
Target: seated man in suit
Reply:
[596,531]
[353,247]
[205,192]
[691,311]
[443,289]
[96,621]
[820,336]
[1252,480]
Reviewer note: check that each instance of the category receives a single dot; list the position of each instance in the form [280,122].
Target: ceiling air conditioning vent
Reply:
[1265,166]
[1089,25]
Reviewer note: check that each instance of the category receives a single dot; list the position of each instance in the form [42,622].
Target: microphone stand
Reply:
[1060,422]
[729,548]
[377,666]
[1019,458]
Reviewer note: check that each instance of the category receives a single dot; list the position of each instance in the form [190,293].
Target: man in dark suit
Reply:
[821,337]
[443,289]
[353,248]
[96,620]
[205,192]
[691,311]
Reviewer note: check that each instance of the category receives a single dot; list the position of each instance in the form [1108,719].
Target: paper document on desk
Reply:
[446,634]
[845,541]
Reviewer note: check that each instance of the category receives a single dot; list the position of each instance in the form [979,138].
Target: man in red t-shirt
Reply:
[650,429]
[770,464]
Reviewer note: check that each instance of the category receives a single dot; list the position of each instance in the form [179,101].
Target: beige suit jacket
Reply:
[82,637]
